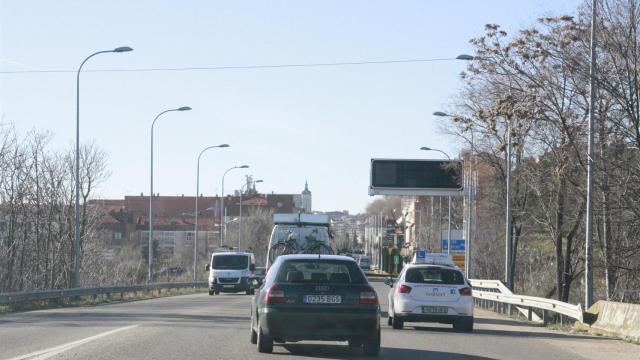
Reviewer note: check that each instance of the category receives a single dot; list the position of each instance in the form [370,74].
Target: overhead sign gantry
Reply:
[416,177]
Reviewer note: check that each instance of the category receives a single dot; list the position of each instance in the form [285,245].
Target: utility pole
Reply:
[588,248]
[508,232]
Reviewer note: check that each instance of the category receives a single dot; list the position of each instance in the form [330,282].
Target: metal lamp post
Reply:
[508,220]
[425,148]
[76,243]
[240,212]
[471,190]
[183,108]
[195,239]
[222,201]
[588,248]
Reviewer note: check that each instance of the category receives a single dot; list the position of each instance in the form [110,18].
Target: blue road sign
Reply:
[456,245]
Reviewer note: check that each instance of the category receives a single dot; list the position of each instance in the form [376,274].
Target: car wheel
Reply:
[372,346]
[210,292]
[397,323]
[216,292]
[254,336]
[463,325]
[389,320]
[265,343]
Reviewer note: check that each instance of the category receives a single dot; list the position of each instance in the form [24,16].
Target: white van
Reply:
[231,272]
[309,233]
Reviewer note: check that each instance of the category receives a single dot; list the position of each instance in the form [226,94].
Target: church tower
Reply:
[306,198]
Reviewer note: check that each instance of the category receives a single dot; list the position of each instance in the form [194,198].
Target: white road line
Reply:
[53,351]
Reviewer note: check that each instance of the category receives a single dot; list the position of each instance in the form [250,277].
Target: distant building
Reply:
[125,222]
[348,230]
[303,201]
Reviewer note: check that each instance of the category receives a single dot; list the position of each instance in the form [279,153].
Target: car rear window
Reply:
[320,271]
[434,276]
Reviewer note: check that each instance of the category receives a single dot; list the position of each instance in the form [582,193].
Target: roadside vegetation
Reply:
[534,84]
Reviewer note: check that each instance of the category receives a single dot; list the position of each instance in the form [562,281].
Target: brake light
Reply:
[368,296]
[466,291]
[275,295]
[404,289]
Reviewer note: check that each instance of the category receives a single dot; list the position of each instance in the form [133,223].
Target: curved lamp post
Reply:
[195,238]
[183,108]
[76,243]
[470,183]
[222,201]
[425,148]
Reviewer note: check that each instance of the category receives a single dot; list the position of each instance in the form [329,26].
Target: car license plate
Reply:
[435,310]
[322,299]
[227,286]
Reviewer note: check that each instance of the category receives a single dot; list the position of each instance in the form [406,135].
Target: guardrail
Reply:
[494,294]
[58,294]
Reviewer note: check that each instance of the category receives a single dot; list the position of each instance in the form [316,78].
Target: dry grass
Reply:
[96,300]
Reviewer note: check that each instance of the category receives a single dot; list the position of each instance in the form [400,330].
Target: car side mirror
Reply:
[252,267]
[388,281]
[207,267]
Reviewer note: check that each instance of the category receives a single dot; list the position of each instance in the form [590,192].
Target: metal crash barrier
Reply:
[494,295]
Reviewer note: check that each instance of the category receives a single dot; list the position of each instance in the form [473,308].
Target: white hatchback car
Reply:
[431,293]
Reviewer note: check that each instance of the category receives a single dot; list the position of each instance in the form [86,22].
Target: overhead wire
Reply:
[233,67]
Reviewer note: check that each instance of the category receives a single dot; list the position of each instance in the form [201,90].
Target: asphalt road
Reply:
[217,327]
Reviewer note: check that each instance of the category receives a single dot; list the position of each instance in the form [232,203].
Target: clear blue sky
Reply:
[322,124]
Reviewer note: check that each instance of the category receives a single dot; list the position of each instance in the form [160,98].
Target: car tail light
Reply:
[275,295]
[466,291]
[368,296]
[404,289]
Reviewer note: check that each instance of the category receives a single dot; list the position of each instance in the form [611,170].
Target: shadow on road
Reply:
[345,352]
[508,322]
[516,329]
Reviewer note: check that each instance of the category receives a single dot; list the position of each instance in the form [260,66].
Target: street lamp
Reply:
[240,212]
[183,108]
[470,206]
[426,148]
[465,57]
[76,243]
[195,239]
[222,201]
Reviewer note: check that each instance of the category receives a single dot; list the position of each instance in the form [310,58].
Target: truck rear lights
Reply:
[275,295]
[466,291]
[368,296]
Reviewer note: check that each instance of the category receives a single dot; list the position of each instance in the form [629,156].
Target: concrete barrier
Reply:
[616,319]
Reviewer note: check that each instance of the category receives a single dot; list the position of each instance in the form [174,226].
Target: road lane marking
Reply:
[53,351]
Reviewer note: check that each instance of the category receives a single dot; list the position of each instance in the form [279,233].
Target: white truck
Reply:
[299,234]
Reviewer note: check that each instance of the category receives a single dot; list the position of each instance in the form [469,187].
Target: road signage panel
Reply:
[415,177]
[456,245]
